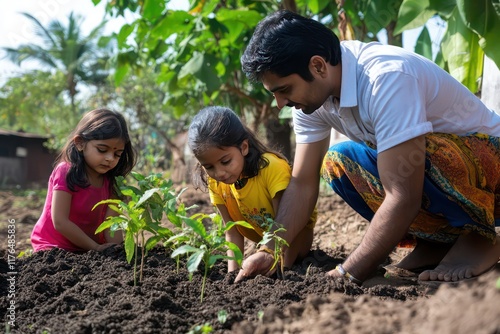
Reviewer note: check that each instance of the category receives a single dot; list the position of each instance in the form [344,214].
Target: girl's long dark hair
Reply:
[98,124]
[220,127]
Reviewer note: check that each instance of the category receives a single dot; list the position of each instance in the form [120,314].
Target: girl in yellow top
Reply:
[245,179]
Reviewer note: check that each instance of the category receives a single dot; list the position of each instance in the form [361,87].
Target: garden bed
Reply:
[61,292]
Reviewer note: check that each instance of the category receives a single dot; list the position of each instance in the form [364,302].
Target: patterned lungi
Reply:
[461,188]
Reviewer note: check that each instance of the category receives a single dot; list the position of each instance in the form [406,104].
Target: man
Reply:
[424,157]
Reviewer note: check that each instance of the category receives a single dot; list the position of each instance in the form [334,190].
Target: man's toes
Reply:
[424,275]
[468,273]
[435,276]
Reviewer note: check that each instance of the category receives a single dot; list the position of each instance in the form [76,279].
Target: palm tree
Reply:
[65,49]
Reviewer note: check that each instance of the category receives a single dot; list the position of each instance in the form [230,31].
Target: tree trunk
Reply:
[278,136]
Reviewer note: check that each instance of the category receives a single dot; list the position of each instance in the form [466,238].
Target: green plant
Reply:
[25,253]
[204,245]
[222,316]
[141,215]
[271,234]
[498,283]
[201,329]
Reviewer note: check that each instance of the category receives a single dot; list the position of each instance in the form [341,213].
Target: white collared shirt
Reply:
[390,95]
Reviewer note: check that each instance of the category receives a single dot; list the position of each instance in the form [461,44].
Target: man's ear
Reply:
[318,66]
[244,147]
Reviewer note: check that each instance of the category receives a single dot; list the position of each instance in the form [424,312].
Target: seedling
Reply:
[205,246]
[279,247]
[147,203]
[222,316]
[201,329]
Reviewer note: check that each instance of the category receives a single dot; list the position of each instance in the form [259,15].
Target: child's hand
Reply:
[259,263]
[102,247]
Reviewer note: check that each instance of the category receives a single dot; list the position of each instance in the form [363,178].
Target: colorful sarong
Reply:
[461,185]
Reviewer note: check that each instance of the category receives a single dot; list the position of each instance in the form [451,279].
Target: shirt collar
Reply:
[348,92]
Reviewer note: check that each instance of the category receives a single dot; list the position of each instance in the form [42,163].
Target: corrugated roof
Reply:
[4,132]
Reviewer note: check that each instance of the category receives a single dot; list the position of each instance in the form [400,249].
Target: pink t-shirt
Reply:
[45,236]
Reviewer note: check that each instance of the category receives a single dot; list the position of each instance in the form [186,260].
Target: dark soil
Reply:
[61,292]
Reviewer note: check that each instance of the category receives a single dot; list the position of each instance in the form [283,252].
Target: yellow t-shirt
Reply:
[254,202]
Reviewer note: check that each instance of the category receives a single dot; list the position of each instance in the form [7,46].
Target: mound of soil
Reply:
[61,292]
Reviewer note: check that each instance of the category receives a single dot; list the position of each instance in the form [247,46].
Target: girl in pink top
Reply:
[97,150]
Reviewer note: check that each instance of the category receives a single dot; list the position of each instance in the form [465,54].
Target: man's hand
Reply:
[259,263]
[334,273]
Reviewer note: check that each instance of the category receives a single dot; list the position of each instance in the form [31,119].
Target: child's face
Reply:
[101,156]
[224,164]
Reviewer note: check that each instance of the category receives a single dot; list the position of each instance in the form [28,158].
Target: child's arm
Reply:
[233,235]
[61,204]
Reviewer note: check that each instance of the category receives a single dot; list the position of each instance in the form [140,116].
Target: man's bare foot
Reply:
[425,254]
[470,256]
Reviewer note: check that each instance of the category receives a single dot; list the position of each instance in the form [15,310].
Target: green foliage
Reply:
[34,103]
[271,234]
[64,48]
[222,316]
[204,245]
[148,202]
[201,329]
[25,253]
[473,30]
[462,54]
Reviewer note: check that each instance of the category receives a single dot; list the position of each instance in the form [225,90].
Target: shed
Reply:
[24,160]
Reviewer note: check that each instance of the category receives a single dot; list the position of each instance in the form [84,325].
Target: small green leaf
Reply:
[152,9]
[183,250]
[197,226]
[121,71]
[243,223]
[214,258]
[153,241]
[146,196]
[129,246]
[123,34]
[195,260]
[106,201]
[424,44]
[413,14]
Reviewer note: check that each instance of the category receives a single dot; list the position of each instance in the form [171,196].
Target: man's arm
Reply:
[401,171]
[300,196]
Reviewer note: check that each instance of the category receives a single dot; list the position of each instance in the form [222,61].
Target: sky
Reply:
[15,29]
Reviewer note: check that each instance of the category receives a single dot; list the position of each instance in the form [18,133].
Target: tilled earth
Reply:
[60,292]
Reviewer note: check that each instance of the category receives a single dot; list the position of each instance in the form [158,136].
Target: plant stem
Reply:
[135,260]
[142,256]
[203,283]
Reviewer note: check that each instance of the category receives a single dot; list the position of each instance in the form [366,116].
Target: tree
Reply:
[156,130]
[197,52]
[65,49]
[472,33]
[33,103]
